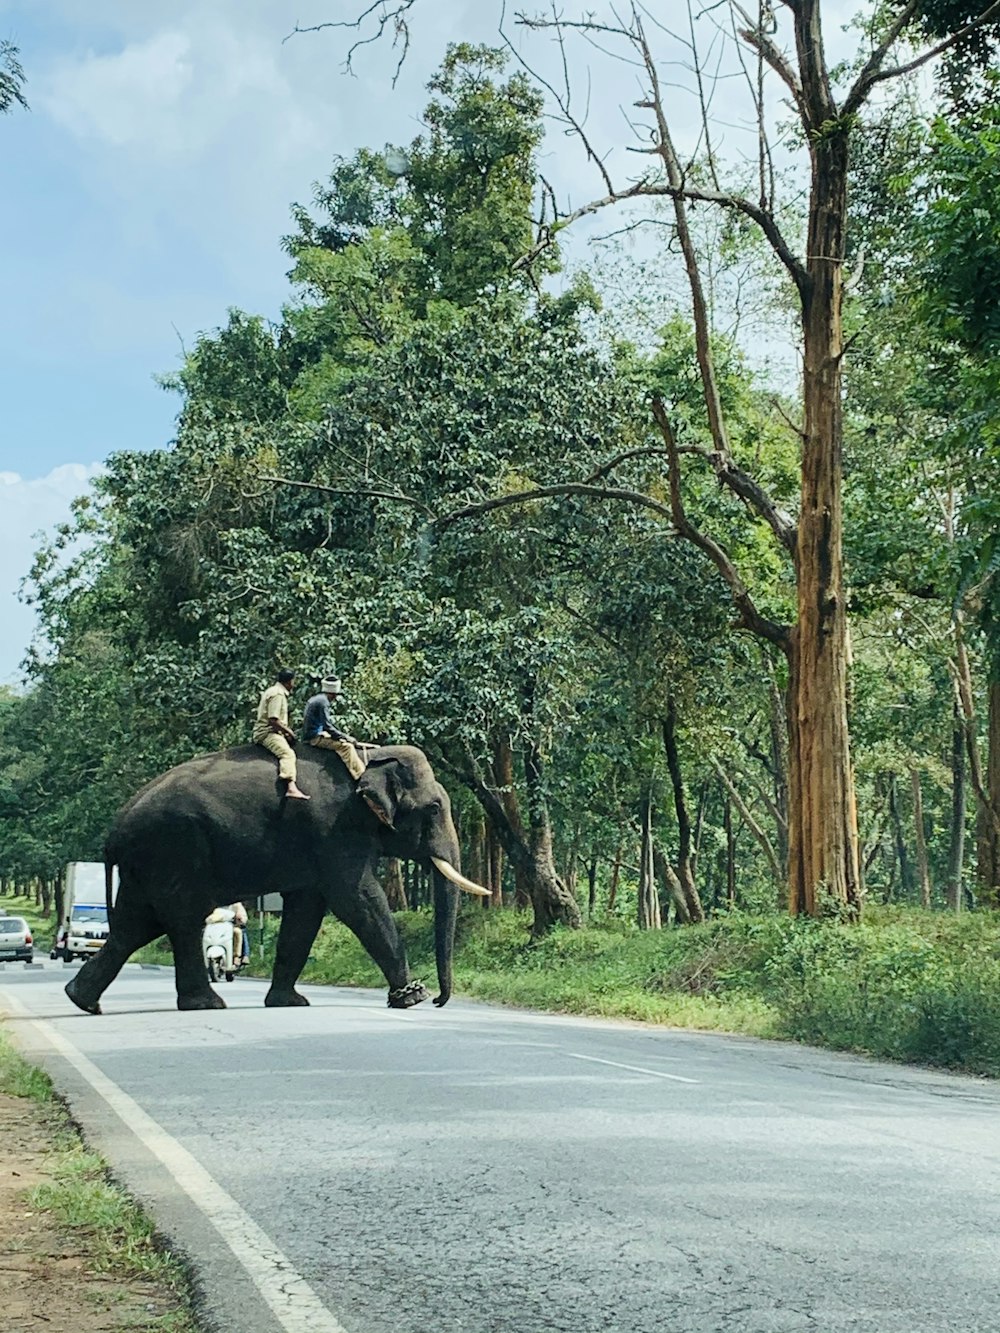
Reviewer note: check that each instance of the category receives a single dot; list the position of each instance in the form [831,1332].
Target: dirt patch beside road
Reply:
[76,1256]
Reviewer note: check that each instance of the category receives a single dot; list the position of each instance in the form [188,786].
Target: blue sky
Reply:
[146,193]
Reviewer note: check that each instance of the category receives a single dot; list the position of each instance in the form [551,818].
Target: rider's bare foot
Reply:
[296,794]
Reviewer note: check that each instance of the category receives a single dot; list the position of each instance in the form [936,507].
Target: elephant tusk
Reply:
[449,872]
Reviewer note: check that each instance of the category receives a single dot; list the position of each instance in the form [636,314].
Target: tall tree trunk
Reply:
[552,901]
[648,905]
[923,868]
[988,831]
[671,885]
[395,889]
[956,842]
[572,860]
[823,829]
[475,857]
[902,855]
[528,848]
[494,878]
[503,780]
[752,824]
[592,885]
[616,871]
[684,871]
[60,890]
[778,726]
[727,822]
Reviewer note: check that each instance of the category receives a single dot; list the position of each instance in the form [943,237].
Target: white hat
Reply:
[331,685]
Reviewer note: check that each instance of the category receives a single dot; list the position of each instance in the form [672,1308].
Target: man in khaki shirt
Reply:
[271,730]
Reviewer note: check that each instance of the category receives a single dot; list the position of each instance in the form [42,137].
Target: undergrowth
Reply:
[79,1194]
[906,985]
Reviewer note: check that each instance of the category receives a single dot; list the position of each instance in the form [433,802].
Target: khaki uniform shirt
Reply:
[273,703]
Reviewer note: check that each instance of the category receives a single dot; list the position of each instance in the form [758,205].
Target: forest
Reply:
[680,561]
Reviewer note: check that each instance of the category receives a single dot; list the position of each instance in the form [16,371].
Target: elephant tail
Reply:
[109,880]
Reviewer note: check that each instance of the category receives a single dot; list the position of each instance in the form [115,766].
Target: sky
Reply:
[146,192]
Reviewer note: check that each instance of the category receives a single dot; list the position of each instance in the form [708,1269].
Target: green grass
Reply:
[18,1078]
[81,1195]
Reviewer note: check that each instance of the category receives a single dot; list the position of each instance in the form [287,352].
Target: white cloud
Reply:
[176,94]
[29,510]
[127,97]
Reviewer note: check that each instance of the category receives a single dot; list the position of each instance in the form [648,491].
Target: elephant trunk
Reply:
[445,916]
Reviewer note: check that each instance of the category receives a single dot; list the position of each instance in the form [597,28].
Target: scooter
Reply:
[217,943]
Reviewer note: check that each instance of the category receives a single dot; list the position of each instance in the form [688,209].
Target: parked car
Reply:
[15,939]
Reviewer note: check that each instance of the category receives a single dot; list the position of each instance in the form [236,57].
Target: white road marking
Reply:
[636,1069]
[289,1297]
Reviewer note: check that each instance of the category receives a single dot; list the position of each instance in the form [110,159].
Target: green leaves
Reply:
[12,78]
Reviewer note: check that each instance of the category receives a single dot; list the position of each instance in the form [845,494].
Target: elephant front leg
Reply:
[367,914]
[301,917]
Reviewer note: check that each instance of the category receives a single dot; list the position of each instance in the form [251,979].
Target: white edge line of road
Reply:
[635,1069]
[288,1296]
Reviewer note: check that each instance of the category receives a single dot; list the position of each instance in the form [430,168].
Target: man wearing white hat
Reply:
[320,730]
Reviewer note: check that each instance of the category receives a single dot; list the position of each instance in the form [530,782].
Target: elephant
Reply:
[219,829]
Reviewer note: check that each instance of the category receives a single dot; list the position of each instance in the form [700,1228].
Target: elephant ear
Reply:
[379,788]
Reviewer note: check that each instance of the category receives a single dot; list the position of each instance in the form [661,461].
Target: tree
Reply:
[786,43]
[961,230]
[12,78]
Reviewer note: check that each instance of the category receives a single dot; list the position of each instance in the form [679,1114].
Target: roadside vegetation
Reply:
[81,1251]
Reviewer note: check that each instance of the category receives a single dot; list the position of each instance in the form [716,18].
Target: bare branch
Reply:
[753,494]
[873,73]
[562,100]
[755,37]
[548,492]
[357,491]
[388,16]
[750,617]
[645,452]
[752,824]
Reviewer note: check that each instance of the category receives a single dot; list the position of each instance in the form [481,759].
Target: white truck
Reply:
[84,926]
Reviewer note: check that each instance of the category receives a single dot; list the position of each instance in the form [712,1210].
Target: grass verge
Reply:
[79,1199]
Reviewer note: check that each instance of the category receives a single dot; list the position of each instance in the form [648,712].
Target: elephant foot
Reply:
[284,999]
[72,989]
[206,1001]
[405,997]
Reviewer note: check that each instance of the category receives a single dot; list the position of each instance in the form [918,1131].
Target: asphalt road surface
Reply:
[353,1169]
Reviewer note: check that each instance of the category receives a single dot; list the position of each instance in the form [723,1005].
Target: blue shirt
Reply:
[318,719]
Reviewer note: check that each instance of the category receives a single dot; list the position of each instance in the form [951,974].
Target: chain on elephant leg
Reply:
[405,997]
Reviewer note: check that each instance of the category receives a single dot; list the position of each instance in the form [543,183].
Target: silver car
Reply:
[15,939]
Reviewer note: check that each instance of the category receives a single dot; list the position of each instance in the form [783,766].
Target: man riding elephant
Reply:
[271,730]
[320,730]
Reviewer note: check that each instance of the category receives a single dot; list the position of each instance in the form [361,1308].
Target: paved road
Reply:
[479,1170]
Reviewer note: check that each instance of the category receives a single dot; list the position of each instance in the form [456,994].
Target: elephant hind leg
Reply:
[193,990]
[131,928]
